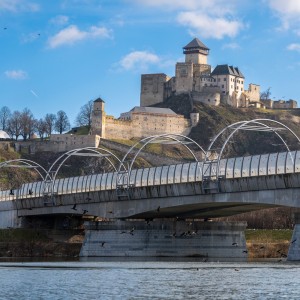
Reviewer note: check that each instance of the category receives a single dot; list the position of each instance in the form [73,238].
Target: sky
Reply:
[59,54]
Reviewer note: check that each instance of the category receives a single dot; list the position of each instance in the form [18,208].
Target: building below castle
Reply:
[140,122]
[224,84]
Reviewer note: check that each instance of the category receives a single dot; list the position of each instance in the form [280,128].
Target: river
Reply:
[149,280]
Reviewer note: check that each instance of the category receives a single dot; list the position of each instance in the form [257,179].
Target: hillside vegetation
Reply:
[213,119]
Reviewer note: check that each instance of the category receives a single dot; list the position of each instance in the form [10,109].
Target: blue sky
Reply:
[57,55]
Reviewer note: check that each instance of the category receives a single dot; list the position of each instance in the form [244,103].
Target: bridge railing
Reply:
[232,168]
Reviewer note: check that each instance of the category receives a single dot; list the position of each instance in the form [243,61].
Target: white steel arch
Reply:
[252,125]
[124,174]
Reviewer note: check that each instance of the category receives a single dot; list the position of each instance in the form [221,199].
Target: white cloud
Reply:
[288,11]
[138,60]
[232,46]
[60,20]
[205,18]
[294,47]
[18,5]
[30,37]
[72,34]
[286,7]
[16,74]
[206,26]
[210,6]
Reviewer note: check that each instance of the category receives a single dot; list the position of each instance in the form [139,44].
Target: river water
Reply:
[149,280]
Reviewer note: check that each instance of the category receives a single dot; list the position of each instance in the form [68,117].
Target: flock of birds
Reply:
[188,233]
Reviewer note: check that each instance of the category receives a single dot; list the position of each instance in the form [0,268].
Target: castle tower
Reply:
[196,52]
[98,118]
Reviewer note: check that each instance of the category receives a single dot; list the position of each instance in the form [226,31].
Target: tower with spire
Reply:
[196,52]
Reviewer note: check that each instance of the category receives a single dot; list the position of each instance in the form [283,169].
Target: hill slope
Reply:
[213,119]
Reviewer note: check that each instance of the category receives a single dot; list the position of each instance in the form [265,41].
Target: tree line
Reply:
[23,124]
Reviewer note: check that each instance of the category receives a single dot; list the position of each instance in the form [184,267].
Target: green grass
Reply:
[263,235]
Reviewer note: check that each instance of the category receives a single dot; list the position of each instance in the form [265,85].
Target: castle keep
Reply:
[195,77]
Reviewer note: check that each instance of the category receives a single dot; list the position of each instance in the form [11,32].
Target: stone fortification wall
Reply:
[119,129]
[184,77]
[152,88]
[209,95]
[279,104]
[253,92]
[285,104]
[5,145]
[58,143]
[146,124]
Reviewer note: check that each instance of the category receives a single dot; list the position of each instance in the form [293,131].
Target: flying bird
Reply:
[74,207]
[234,244]
[102,245]
[293,241]
[158,209]
[84,211]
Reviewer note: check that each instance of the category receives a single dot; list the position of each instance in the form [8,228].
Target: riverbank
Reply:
[264,243]
[40,243]
[261,243]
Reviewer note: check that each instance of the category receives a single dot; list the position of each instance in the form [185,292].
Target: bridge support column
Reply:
[207,241]
[294,249]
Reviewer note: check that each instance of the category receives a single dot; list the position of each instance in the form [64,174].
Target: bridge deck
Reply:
[266,165]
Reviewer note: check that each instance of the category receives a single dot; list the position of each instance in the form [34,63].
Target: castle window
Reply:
[222,86]
[208,100]
[218,79]
[224,79]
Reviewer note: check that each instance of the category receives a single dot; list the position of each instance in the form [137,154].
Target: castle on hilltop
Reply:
[194,78]
[225,84]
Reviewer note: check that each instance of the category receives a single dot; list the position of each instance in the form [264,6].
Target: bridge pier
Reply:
[208,241]
[294,249]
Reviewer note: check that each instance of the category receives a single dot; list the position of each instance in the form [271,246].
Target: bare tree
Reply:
[14,125]
[266,94]
[84,117]
[41,127]
[27,124]
[5,114]
[62,122]
[50,120]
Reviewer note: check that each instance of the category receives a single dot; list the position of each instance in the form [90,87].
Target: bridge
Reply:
[201,189]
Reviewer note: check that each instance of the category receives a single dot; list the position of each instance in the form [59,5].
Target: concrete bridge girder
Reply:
[236,196]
